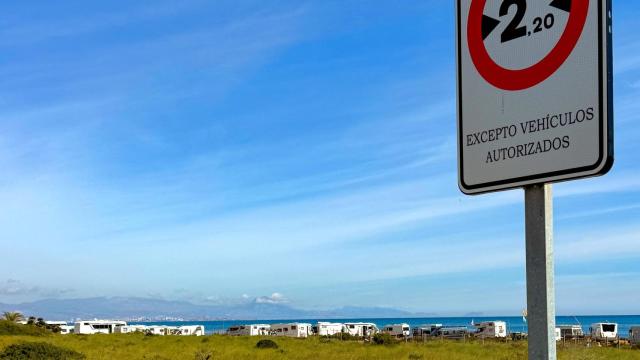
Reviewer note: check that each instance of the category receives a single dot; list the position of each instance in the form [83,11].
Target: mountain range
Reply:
[158,309]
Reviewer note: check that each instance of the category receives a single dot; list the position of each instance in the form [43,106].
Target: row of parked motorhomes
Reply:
[364,329]
[89,327]
[487,329]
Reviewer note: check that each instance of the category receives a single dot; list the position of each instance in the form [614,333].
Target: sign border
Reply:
[521,79]
[605,81]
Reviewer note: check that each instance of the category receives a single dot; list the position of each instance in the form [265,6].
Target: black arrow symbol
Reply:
[488,25]
[564,5]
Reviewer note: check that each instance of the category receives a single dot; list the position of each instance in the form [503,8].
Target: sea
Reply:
[514,323]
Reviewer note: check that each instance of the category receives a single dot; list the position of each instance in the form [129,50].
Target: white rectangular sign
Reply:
[534,92]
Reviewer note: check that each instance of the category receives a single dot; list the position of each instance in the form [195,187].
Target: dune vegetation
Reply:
[139,346]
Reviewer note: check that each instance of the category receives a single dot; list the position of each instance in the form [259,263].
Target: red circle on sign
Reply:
[514,80]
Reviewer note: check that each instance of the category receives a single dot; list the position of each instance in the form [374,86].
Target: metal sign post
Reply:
[538,202]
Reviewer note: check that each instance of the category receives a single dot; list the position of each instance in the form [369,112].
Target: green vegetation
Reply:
[343,336]
[38,351]
[12,328]
[39,322]
[12,316]
[383,339]
[266,344]
[215,347]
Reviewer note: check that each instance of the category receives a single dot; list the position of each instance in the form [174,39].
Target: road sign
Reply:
[534,92]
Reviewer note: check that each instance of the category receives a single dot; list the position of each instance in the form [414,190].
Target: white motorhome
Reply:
[131,329]
[163,330]
[571,331]
[398,330]
[361,329]
[426,330]
[604,331]
[491,329]
[299,330]
[249,330]
[97,326]
[187,330]
[634,335]
[327,328]
[156,330]
[558,334]
[65,328]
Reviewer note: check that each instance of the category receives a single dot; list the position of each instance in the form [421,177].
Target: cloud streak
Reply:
[12,289]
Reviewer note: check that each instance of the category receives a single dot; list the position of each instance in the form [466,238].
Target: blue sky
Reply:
[222,151]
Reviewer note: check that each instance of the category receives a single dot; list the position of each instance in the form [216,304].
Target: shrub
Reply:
[416,356]
[11,328]
[203,355]
[266,344]
[383,339]
[39,350]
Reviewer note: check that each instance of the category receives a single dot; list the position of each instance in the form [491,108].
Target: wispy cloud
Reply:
[148,68]
[11,289]
[17,32]
[600,211]
[275,298]
[627,58]
[614,183]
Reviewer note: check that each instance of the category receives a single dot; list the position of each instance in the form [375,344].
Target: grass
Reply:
[138,346]
[11,328]
[39,350]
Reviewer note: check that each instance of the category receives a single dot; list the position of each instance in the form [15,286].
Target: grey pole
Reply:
[541,303]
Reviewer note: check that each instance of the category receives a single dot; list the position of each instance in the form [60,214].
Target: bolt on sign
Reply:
[534,92]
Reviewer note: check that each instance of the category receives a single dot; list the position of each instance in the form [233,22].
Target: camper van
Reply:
[188,330]
[604,331]
[162,330]
[327,328]
[97,326]
[361,329]
[557,333]
[491,329]
[426,330]
[65,329]
[127,329]
[634,335]
[298,330]
[249,330]
[571,332]
[398,330]
[452,332]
